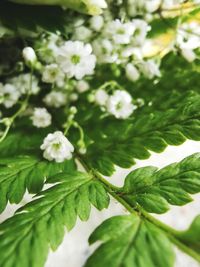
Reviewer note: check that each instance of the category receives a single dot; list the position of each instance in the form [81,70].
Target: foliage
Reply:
[40,223]
[128,234]
[79,92]
[152,188]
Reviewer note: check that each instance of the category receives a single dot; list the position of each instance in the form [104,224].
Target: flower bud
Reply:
[29,55]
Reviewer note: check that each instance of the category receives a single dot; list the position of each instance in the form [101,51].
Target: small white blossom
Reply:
[150,69]
[119,32]
[134,52]
[171,3]
[136,7]
[53,74]
[55,99]
[41,118]
[140,33]
[152,5]
[82,86]
[96,23]
[57,147]
[73,97]
[98,3]
[188,54]
[132,72]
[104,51]
[101,97]
[9,95]
[29,55]
[188,36]
[24,83]
[48,47]
[76,59]
[120,104]
[82,33]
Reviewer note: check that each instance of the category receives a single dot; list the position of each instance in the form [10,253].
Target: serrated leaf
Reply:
[26,172]
[129,241]
[118,142]
[25,238]
[153,189]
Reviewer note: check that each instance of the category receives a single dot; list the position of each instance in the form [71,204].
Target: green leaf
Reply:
[129,241]
[25,238]
[153,189]
[191,237]
[25,141]
[19,173]
[117,142]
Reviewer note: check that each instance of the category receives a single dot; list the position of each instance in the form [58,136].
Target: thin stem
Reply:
[5,133]
[184,248]
[111,84]
[12,119]
[113,190]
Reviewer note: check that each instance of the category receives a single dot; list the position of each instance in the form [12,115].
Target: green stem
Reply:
[5,133]
[12,119]
[114,192]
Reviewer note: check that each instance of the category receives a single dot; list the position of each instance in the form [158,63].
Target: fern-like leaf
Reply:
[129,241]
[115,142]
[26,237]
[17,174]
[153,189]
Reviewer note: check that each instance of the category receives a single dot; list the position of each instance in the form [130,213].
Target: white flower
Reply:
[134,52]
[188,54]
[53,74]
[104,51]
[188,36]
[9,95]
[136,7]
[82,86]
[141,30]
[120,104]
[55,99]
[150,69]
[170,3]
[24,83]
[96,23]
[73,97]
[76,59]
[98,3]
[132,72]
[48,47]
[29,55]
[101,97]
[57,147]
[41,118]
[119,32]
[152,5]
[82,33]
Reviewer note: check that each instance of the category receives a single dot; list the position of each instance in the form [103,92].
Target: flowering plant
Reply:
[87,86]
